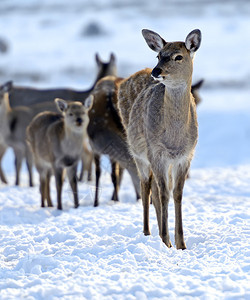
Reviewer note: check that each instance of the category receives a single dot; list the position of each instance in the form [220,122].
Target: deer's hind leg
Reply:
[2,176]
[145,179]
[19,155]
[116,176]
[29,163]
[97,178]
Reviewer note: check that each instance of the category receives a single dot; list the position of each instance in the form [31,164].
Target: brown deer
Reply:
[159,114]
[32,101]
[13,123]
[105,124]
[107,136]
[56,141]
[28,96]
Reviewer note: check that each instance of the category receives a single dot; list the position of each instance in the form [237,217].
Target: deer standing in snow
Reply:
[106,136]
[56,141]
[159,114]
[25,102]
[13,123]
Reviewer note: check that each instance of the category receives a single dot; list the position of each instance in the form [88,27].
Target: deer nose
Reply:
[156,72]
[79,121]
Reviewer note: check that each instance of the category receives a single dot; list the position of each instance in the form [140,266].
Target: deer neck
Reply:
[177,104]
[6,103]
[5,107]
[75,136]
[4,111]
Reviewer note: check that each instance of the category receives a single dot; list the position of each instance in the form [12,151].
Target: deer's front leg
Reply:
[97,178]
[164,200]
[177,193]
[145,191]
[71,172]
[59,182]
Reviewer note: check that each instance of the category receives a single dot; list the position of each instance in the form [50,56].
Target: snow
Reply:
[101,253]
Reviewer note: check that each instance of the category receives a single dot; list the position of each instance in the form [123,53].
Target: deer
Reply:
[195,91]
[56,140]
[158,112]
[13,123]
[104,114]
[29,95]
[34,101]
[107,136]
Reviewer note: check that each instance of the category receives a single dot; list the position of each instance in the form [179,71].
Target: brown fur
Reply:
[107,136]
[12,130]
[56,142]
[159,116]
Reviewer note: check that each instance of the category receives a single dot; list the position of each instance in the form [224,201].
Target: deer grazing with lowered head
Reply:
[159,114]
[56,141]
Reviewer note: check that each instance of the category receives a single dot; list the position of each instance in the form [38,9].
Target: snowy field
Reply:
[101,253]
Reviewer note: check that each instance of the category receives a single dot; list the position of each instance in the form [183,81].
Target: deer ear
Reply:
[61,104]
[193,41]
[6,87]
[89,102]
[154,40]
[97,58]
[112,58]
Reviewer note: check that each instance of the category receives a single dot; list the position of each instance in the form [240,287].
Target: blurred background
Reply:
[52,43]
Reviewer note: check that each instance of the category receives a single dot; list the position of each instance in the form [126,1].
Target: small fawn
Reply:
[56,141]
[159,114]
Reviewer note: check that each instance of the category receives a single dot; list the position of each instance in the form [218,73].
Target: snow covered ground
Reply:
[101,253]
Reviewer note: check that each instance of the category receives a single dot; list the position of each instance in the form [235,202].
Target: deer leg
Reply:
[2,176]
[18,164]
[97,177]
[71,172]
[59,182]
[145,180]
[156,202]
[145,192]
[177,193]
[49,201]
[82,169]
[29,163]
[164,200]
[164,197]
[115,180]
[42,190]
[89,178]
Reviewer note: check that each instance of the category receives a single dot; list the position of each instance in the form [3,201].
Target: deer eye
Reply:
[178,57]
